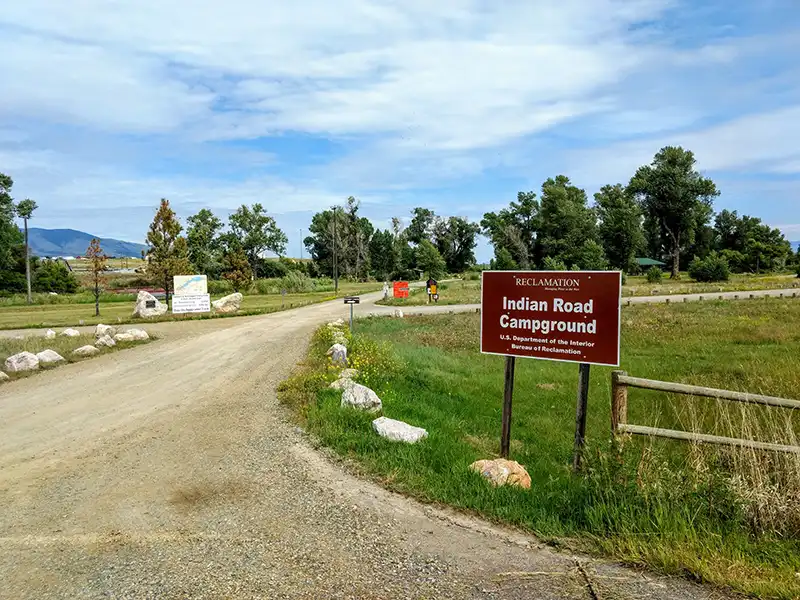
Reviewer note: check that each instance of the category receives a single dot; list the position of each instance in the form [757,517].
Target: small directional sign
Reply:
[352,300]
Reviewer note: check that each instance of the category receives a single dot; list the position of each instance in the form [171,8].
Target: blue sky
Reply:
[456,105]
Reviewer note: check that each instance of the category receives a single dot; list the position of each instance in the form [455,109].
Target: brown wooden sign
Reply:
[571,316]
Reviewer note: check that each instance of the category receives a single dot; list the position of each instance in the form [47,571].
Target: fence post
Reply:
[619,402]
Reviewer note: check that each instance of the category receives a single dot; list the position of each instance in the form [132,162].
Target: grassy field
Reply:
[63,313]
[61,344]
[469,292]
[717,515]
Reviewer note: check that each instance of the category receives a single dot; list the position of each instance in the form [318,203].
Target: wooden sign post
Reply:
[568,316]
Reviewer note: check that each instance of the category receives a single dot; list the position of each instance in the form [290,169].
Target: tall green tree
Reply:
[325,236]
[97,265]
[236,268]
[202,238]
[502,260]
[258,233]
[568,226]
[167,250]
[748,244]
[358,233]
[620,226]
[455,240]
[421,226]
[25,210]
[429,260]
[10,235]
[672,195]
[515,229]
[383,255]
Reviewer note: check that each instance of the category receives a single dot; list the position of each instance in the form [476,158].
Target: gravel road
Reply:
[170,471]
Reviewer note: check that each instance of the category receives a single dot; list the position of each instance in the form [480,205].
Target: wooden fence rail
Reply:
[620,382]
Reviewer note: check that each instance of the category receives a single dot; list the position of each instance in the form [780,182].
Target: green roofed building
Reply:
[650,262]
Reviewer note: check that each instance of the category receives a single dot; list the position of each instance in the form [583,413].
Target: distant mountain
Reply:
[68,242]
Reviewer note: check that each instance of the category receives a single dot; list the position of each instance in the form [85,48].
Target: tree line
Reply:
[664,212]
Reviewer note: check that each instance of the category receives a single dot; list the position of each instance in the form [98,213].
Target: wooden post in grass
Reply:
[580,416]
[619,402]
[508,393]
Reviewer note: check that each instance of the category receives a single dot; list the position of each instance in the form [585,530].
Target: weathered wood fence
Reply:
[621,381]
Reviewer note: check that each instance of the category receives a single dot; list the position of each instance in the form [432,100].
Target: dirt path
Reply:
[170,471]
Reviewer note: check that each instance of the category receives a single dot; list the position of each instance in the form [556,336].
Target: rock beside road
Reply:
[102,331]
[4,377]
[50,334]
[398,431]
[49,357]
[124,337]
[398,313]
[105,342]
[24,361]
[142,311]
[139,335]
[70,333]
[229,304]
[341,384]
[361,397]
[338,354]
[503,472]
[86,351]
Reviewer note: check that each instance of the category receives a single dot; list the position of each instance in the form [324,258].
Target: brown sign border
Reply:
[564,360]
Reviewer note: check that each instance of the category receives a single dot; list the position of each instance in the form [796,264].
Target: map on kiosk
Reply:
[190,285]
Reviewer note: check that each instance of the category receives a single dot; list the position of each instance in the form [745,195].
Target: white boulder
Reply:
[229,304]
[339,338]
[338,354]
[50,334]
[86,351]
[398,313]
[105,342]
[104,331]
[70,333]
[24,361]
[4,377]
[336,324]
[341,384]
[139,335]
[141,310]
[49,357]
[124,337]
[361,397]
[398,431]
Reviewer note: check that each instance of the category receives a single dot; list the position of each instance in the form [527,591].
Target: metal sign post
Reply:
[351,300]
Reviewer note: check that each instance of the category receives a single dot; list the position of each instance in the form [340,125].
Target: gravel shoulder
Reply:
[171,471]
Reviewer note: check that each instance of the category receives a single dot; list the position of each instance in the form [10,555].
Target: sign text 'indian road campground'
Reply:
[570,316]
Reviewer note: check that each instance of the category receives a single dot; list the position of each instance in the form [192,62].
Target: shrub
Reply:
[712,268]
[272,269]
[296,282]
[217,287]
[654,275]
[53,276]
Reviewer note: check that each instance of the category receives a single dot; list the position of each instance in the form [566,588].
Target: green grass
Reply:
[469,292]
[61,314]
[660,504]
[61,344]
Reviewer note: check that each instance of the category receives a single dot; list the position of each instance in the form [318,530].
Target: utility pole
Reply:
[335,259]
